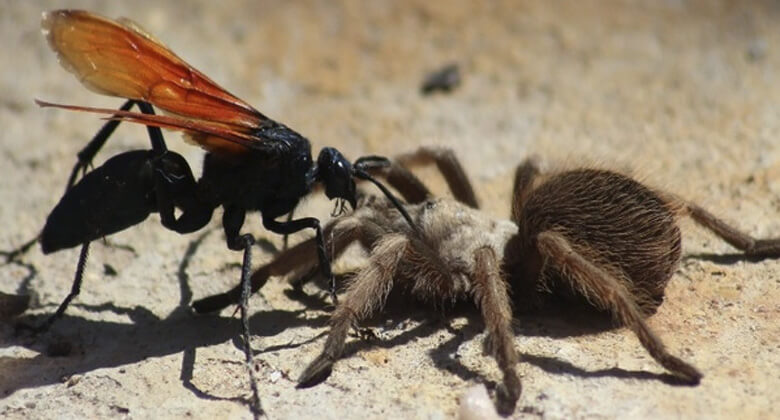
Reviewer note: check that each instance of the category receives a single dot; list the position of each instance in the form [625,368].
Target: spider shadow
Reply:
[398,312]
[726,259]
[556,320]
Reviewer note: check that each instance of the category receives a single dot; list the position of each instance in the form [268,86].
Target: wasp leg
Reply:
[293,226]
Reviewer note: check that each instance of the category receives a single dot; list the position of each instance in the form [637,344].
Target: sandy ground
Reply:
[684,92]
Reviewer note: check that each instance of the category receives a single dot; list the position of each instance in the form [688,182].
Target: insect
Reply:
[252,162]
[586,233]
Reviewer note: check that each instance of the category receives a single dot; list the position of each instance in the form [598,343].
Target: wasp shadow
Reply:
[95,344]
[102,344]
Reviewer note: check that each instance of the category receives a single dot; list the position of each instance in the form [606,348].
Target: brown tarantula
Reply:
[597,233]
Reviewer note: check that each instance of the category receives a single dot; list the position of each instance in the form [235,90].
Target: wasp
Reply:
[252,162]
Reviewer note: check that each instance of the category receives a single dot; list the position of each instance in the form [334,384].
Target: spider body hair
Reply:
[619,224]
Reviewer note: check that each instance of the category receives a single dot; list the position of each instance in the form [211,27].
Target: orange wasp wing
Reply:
[203,128]
[119,59]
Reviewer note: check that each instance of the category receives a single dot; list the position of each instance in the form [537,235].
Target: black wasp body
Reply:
[130,186]
[252,162]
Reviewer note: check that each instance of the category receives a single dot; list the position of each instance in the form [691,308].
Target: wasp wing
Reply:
[214,136]
[117,58]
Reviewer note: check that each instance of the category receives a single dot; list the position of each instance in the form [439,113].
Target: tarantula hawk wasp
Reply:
[252,162]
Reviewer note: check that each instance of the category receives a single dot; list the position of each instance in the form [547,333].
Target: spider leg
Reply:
[366,293]
[413,190]
[450,168]
[347,229]
[525,174]
[608,292]
[736,238]
[405,182]
[490,294]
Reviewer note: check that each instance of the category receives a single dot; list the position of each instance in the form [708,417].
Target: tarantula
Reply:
[597,233]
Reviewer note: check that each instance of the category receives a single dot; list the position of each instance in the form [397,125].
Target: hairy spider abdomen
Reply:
[611,219]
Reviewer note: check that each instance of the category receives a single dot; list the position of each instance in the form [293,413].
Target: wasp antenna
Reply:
[359,173]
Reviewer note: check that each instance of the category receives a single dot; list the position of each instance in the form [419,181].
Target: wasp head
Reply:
[335,171]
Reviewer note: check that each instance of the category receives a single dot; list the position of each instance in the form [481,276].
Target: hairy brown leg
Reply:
[490,294]
[606,291]
[366,293]
[413,190]
[405,182]
[450,168]
[364,231]
[736,238]
[337,234]
[525,174]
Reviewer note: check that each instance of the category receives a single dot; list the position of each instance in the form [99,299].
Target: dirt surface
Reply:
[684,92]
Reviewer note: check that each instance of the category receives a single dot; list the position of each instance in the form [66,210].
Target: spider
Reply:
[604,236]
